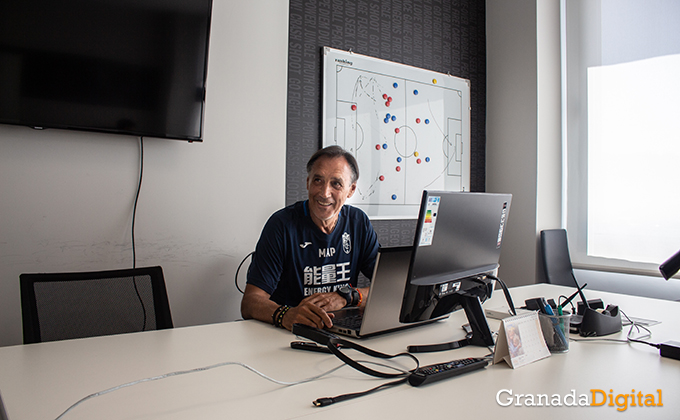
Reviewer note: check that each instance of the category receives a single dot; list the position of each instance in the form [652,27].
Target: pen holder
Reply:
[555,330]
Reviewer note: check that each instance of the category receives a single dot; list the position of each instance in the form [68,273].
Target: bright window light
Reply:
[633,160]
[622,127]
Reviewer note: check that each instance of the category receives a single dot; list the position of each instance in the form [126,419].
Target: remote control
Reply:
[433,373]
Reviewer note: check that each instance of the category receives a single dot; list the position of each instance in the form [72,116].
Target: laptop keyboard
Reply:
[351,322]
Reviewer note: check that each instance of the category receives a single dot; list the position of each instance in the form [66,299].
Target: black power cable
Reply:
[506,292]
[322,402]
[134,217]
[239,269]
[134,208]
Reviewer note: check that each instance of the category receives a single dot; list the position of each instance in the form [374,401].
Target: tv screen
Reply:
[135,67]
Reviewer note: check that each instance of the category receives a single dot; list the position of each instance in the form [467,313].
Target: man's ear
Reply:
[352,188]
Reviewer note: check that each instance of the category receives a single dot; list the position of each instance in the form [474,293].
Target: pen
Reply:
[578,290]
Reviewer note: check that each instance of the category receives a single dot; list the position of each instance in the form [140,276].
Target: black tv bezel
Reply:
[201,92]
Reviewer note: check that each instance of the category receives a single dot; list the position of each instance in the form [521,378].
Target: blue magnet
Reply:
[427,159]
[385,146]
[399,159]
[415,92]
[394,117]
[386,120]
[427,121]
[394,196]
[395,85]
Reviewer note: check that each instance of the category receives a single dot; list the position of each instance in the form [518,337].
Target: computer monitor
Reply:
[457,246]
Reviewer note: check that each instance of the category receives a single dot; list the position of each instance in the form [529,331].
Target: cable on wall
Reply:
[134,208]
[134,217]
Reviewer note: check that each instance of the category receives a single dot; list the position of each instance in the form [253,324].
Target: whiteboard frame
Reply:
[408,204]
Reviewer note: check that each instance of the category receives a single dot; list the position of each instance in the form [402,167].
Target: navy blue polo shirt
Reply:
[295,259]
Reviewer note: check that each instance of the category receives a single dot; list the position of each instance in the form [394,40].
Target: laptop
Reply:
[381,312]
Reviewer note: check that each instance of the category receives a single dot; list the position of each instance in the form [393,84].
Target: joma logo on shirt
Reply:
[326,252]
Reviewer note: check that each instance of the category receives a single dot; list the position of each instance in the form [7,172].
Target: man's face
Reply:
[329,185]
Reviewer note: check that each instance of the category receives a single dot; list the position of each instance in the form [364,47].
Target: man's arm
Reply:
[311,311]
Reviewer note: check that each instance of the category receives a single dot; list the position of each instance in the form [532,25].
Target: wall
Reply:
[66,197]
[445,36]
[523,126]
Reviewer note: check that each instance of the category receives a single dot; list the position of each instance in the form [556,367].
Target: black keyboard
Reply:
[433,373]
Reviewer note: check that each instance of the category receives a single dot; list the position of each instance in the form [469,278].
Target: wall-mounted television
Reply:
[133,67]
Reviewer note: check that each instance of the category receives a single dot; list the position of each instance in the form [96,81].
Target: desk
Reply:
[39,381]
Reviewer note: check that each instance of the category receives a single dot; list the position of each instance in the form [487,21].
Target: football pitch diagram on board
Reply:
[408,128]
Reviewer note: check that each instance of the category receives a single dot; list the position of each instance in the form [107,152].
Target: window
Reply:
[621,86]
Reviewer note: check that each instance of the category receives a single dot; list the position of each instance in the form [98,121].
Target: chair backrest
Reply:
[556,260]
[60,306]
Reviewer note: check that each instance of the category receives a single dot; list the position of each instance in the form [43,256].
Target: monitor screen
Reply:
[457,243]
[135,67]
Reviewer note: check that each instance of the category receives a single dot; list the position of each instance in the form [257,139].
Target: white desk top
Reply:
[40,381]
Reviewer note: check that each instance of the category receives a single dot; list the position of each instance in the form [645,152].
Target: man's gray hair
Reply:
[334,152]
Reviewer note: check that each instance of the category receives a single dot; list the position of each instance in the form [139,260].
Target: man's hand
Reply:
[314,311]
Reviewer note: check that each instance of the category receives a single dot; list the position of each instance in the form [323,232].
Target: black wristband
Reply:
[279,313]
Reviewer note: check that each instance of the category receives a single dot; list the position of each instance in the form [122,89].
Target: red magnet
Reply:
[396,130]
[354,107]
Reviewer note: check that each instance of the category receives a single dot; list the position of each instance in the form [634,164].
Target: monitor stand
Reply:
[481,333]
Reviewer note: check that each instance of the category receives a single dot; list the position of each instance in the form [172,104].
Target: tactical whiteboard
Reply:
[408,128]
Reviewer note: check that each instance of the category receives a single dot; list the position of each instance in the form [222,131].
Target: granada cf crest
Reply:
[346,243]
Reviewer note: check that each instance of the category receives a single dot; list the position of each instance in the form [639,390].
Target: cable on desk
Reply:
[184,372]
[323,402]
[629,339]
[506,292]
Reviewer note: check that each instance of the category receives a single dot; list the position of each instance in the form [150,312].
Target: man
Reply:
[310,252]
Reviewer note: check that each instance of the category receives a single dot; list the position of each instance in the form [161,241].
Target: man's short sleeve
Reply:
[267,265]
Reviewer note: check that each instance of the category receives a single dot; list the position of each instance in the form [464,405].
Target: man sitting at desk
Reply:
[309,255]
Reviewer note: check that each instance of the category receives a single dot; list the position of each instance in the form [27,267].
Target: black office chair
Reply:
[556,260]
[61,306]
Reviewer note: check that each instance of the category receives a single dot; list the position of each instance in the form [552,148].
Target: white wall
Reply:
[523,126]
[66,197]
